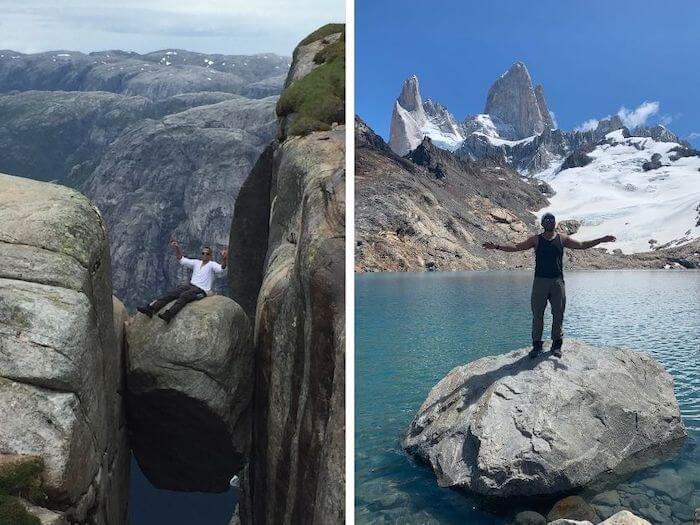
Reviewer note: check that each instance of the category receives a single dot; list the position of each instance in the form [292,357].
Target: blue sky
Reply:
[593,57]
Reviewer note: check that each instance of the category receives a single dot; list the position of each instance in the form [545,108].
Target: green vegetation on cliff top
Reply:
[318,99]
[322,32]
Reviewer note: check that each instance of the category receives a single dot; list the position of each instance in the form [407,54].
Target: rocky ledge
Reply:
[190,384]
[509,425]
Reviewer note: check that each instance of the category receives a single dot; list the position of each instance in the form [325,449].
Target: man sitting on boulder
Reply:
[549,277]
[204,270]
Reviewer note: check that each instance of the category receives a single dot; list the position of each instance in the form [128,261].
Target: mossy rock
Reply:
[21,475]
[13,512]
[332,52]
[322,32]
[317,100]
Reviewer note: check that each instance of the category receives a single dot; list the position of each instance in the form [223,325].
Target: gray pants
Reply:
[544,290]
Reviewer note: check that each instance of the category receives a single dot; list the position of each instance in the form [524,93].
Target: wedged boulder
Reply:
[509,425]
[59,358]
[189,388]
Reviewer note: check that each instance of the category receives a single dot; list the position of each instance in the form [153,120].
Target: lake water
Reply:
[151,506]
[413,328]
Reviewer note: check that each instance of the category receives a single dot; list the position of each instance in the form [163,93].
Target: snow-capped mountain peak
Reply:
[644,191]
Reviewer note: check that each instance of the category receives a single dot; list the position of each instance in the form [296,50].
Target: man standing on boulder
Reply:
[204,270]
[549,277]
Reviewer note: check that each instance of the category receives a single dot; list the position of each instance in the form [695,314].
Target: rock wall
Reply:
[292,282]
[60,361]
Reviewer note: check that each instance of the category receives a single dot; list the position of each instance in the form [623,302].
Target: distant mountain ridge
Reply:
[516,125]
[160,148]
[155,75]
[657,204]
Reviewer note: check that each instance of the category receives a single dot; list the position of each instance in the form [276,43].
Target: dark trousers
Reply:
[552,290]
[181,295]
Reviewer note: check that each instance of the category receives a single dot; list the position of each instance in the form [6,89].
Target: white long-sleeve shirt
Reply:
[203,275]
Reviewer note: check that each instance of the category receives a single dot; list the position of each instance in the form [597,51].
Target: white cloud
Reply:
[589,125]
[632,118]
[554,118]
[208,26]
[694,135]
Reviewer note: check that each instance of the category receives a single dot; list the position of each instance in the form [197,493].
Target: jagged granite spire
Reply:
[512,99]
[408,118]
[414,119]
[410,98]
[544,110]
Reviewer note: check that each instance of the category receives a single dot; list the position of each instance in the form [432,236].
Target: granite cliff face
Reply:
[159,142]
[60,356]
[512,99]
[287,270]
[175,178]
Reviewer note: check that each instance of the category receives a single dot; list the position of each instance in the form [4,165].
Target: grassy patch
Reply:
[12,512]
[318,99]
[20,474]
[328,29]
[332,52]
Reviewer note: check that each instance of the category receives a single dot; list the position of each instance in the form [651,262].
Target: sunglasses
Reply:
[206,253]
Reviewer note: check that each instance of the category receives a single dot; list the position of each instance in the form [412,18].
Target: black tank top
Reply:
[548,257]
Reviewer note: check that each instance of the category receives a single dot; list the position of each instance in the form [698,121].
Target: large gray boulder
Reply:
[510,425]
[59,356]
[189,388]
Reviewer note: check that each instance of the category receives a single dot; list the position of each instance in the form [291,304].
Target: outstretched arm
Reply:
[573,244]
[224,258]
[520,247]
[176,249]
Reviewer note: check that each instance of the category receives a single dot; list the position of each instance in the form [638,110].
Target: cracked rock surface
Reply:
[509,425]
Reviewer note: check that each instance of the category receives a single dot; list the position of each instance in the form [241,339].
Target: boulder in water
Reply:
[509,425]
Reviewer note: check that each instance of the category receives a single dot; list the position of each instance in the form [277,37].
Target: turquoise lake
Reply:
[413,328]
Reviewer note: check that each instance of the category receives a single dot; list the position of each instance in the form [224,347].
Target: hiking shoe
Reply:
[556,347]
[146,310]
[536,349]
[166,316]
